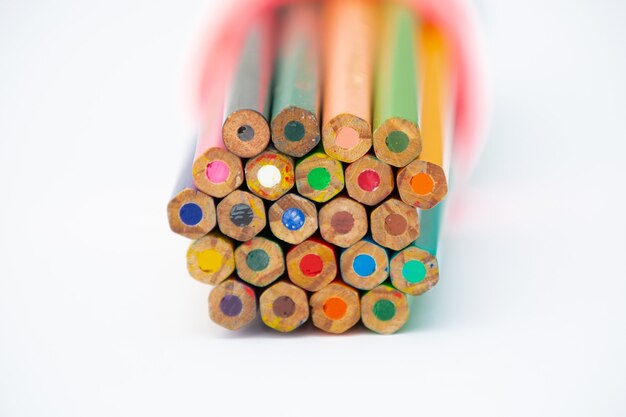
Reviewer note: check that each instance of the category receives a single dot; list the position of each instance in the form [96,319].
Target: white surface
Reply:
[98,317]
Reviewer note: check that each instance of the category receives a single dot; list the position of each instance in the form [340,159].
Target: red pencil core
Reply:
[369,180]
[311,265]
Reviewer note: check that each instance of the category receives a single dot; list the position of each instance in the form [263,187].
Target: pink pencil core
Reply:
[217,171]
[347,138]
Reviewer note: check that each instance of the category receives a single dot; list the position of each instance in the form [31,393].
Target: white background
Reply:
[99,318]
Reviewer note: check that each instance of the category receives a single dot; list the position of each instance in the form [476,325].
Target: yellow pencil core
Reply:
[209,260]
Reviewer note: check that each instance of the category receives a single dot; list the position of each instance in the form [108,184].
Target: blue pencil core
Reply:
[190,214]
[293,218]
[364,265]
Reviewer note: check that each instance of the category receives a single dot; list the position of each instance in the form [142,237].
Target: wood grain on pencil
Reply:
[270,174]
[335,308]
[284,307]
[241,215]
[246,129]
[259,261]
[232,304]
[364,265]
[394,224]
[343,221]
[384,309]
[210,259]
[312,265]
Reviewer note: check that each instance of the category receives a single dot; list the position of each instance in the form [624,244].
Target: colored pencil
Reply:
[384,309]
[259,261]
[343,221]
[296,94]
[396,136]
[364,265]
[319,177]
[270,174]
[348,78]
[293,219]
[217,172]
[394,224]
[423,183]
[246,130]
[414,271]
[311,265]
[241,215]
[190,213]
[369,180]
[232,304]
[335,308]
[210,259]
[284,307]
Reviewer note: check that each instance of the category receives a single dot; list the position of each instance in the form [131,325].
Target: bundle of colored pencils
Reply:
[342,229]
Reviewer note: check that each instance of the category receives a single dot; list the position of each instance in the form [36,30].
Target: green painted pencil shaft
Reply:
[252,78]
[396,78]
[297,77]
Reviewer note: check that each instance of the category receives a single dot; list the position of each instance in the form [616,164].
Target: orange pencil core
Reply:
[335,308]
[422,184]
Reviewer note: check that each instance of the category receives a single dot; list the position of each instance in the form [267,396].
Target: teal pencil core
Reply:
[294,131]
[397,141]
[384,310]
[414,271]
[257,260]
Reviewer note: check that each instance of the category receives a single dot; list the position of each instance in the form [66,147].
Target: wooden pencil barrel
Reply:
[311,265]
[414,271]
[319,177]
[259,261]
[246,130]
[343,221]
[232,304]
[270,174]
[190,213]
[396,137]
[384,309]
[217,172]
[422,184]
[293,219]
[284,307]
[241,215]
[348,78]
[210,259]
[296,98]
[369,180]
[335,308]
[364,265]
[394,224]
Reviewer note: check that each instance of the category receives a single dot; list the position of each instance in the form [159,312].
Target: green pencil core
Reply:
[318,178]
[294,131]
[384,310]
[257,260]
[397,141]
[414,271]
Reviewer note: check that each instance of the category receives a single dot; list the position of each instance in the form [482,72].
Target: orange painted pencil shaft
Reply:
[349,54]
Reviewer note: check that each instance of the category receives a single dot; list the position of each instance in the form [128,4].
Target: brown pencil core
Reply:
[283,306]
[395,224]
[342,222]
